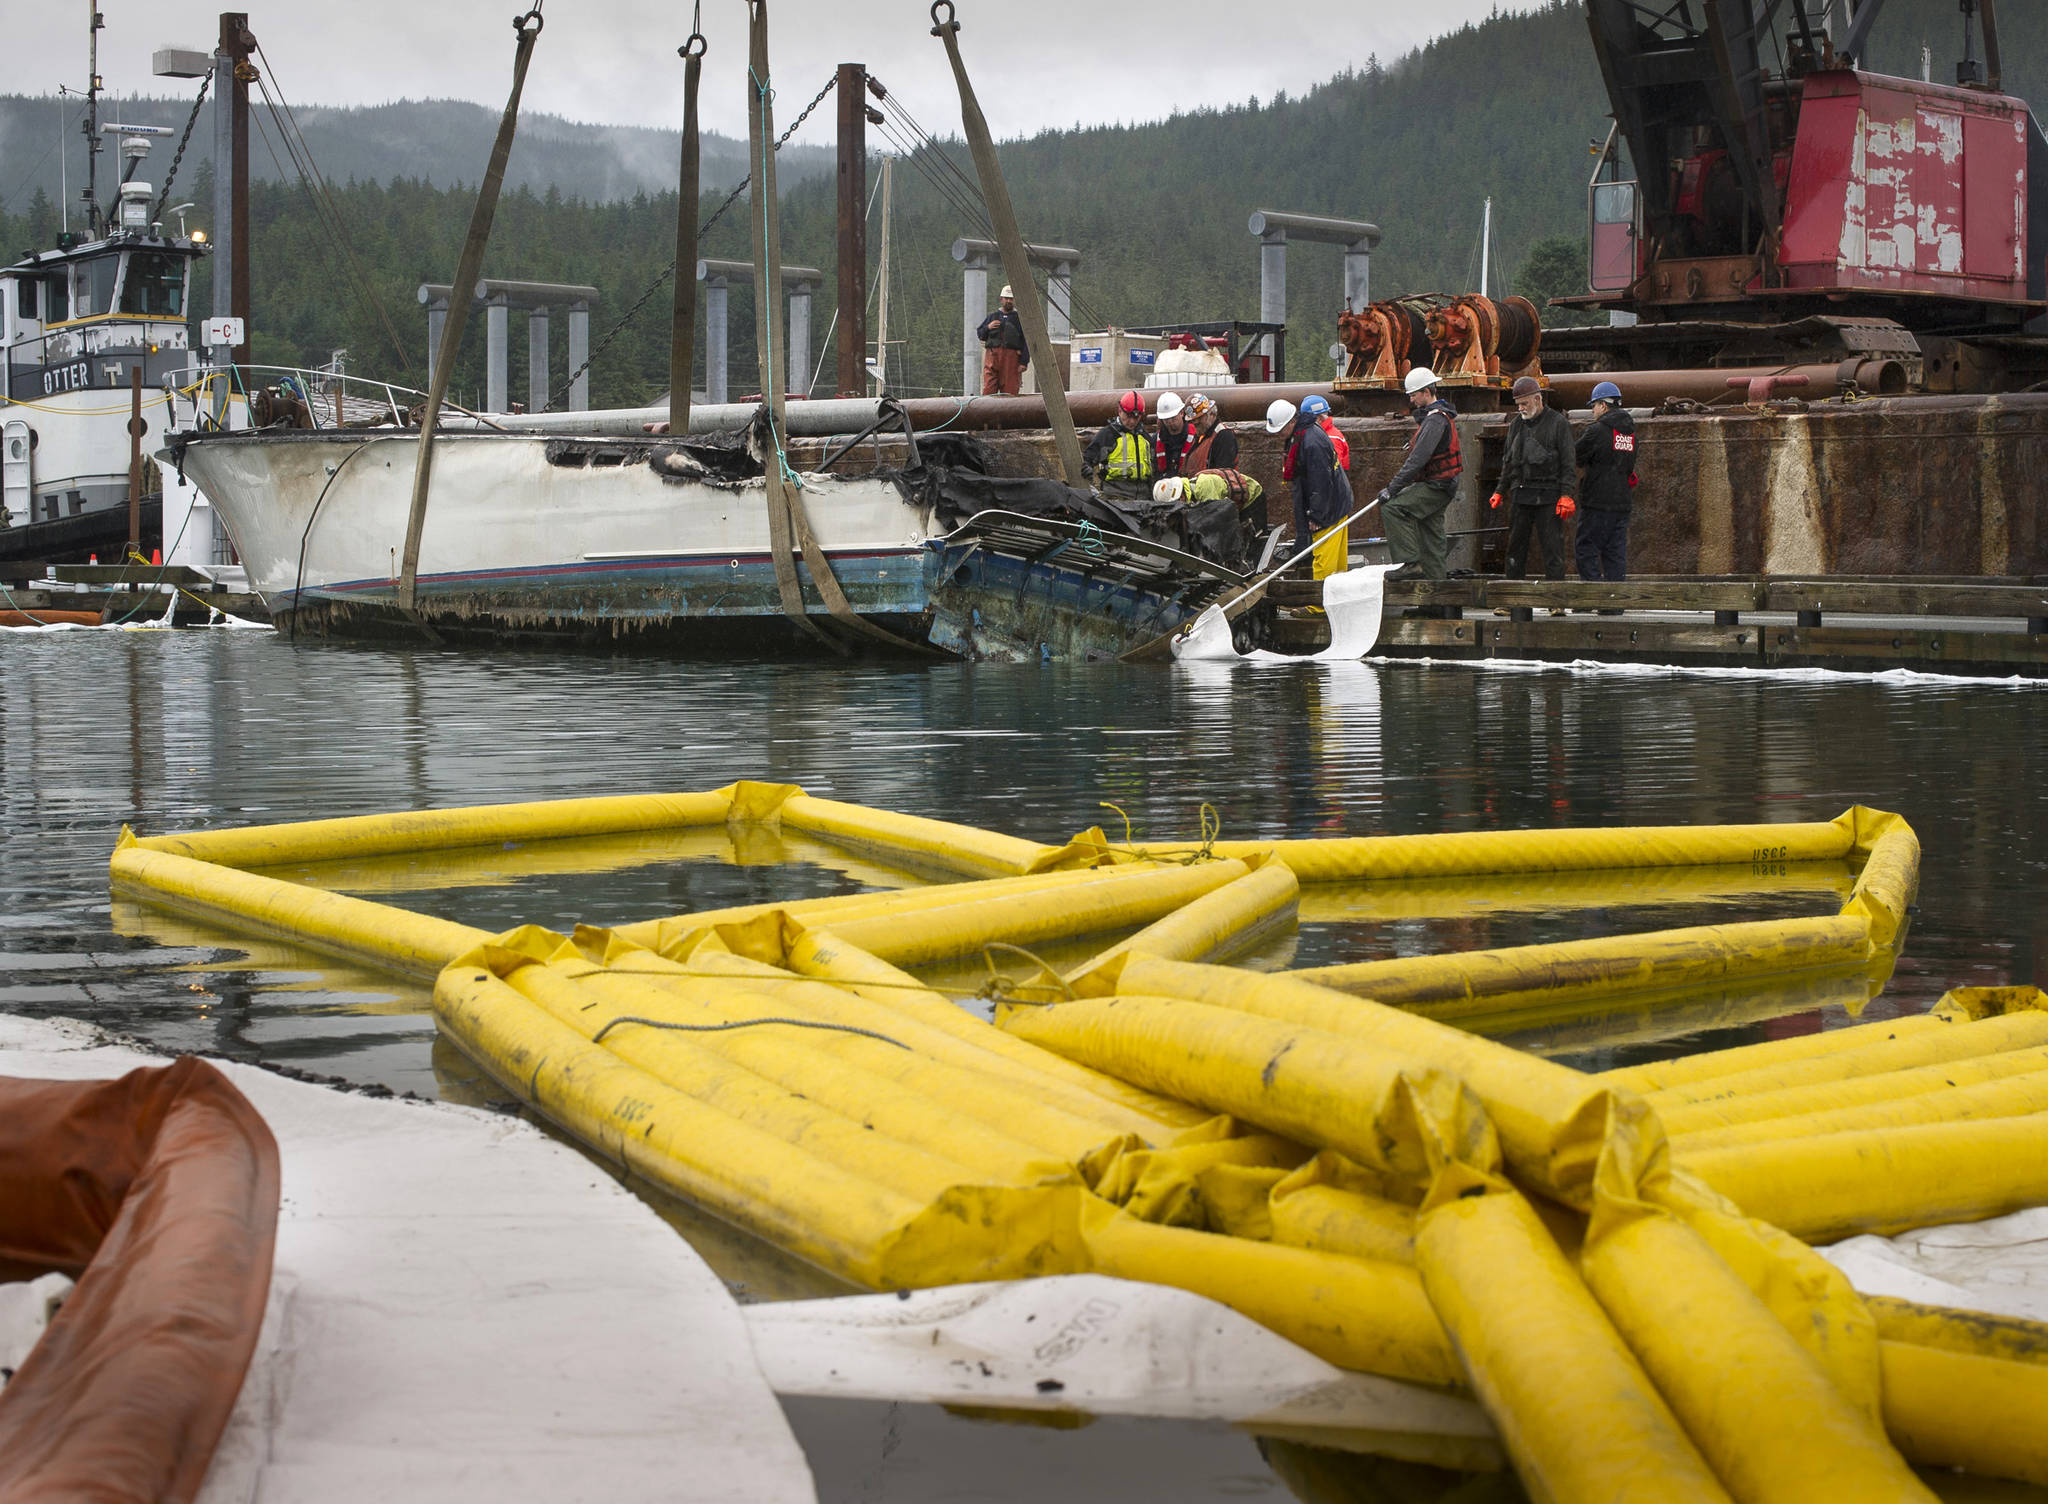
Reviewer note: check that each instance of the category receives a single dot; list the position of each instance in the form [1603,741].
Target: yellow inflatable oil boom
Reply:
[1324,1151]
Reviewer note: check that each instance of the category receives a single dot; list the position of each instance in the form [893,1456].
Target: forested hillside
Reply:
[1505,109]
[440,141]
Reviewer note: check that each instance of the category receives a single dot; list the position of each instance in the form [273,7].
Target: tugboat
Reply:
[78,324]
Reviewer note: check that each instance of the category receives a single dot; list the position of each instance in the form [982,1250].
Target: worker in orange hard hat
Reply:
[1004,352]
[1121,458]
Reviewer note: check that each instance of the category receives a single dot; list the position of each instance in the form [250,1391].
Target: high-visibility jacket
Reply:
[1130,457]
[1214,485]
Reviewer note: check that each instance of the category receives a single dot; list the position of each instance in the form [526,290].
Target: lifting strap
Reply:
[788,526]
[682,327]
[995,194]
[527,29]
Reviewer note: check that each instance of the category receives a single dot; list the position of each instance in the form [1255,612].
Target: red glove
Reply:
[1494,501]
[1565,507]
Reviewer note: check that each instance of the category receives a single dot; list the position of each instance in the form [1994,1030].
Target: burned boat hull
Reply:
[637,541]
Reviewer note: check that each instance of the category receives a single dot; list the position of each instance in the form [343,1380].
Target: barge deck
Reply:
[1986,626]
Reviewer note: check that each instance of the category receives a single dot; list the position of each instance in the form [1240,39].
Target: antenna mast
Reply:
[882,276]
[92,121]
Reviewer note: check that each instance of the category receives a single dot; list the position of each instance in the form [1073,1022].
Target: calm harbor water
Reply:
[193,730]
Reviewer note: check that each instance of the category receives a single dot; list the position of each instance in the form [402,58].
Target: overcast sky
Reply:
[1035,63]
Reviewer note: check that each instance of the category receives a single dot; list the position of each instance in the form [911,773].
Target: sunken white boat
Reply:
[577,527]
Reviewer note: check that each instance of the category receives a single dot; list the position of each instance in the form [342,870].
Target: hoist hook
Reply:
[695,47]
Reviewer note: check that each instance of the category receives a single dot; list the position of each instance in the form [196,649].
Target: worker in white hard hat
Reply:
[1174,438]
[1238,546]
[1004,352]
[1322,489]
[1415,500]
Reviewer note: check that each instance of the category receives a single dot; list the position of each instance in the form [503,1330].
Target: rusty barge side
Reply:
[1913,486]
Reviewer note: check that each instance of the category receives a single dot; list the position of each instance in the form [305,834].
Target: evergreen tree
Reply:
[1555,268]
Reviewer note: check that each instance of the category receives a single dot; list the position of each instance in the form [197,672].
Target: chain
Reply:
[555,397]
[183,141]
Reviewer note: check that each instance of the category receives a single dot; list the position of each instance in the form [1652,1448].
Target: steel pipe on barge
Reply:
[839,416]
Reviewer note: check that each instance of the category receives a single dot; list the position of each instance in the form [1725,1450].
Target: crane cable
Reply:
[320,194]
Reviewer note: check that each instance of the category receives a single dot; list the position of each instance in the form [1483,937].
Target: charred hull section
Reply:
[1007,588]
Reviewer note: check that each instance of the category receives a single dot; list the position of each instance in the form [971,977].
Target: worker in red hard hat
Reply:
[1004,350]
[1121,458]
[1537,476]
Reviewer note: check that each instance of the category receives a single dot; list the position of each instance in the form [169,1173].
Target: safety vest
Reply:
[1207,485]
[1131,457]
[1445,464]
[1172,451]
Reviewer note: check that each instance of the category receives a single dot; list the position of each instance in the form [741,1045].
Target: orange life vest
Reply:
[1445,465]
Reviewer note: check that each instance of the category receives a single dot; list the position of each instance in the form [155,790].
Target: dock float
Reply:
[461,1308]
[1978,627]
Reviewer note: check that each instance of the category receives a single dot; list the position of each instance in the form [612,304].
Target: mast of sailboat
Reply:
[1485,251]
[882,276]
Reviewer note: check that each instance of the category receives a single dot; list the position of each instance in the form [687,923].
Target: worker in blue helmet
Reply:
[1606,453]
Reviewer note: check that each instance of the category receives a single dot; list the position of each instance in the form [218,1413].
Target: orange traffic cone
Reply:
[92,559]
[156,556]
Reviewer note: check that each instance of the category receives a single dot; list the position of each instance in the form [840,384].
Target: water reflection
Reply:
[209,729]
[172,731]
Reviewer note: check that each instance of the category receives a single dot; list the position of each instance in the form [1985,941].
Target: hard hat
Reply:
[1607,391]
[1169,488]
[1417,378]
[1199,407]
[1279,415]
[1316,405]
[1130,402]
[1527,386]
[1170,406]
[1006,293]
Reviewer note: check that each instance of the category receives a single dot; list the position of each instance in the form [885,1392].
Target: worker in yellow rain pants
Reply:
[1322,489]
